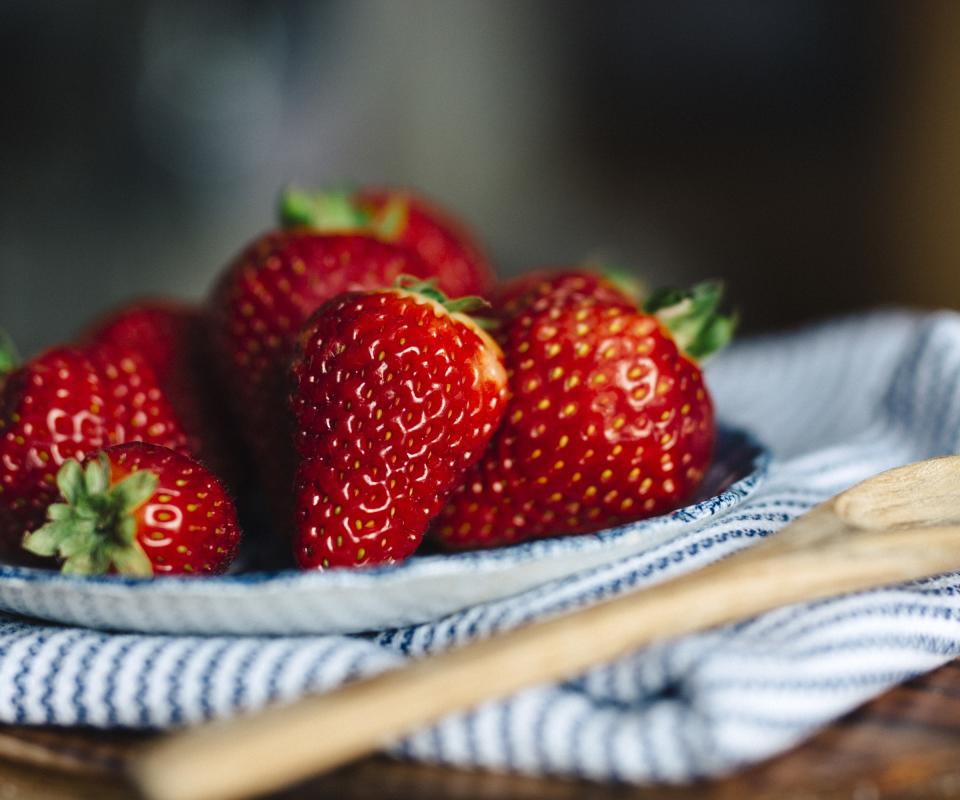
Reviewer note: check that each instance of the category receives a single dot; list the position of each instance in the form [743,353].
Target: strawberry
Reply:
[159,330]
[395,394]
[401,217]
[609,419]
[543,289]
[258,309]
[138,509]
[330,243]
[171,337]
[68,403]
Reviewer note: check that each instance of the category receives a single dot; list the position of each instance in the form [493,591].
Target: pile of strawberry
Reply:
[330,370]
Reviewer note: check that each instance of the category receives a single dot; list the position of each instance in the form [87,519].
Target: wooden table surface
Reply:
[903,745]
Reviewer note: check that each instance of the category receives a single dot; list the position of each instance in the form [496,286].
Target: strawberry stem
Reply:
[94,529]
[692,316]
[339,211]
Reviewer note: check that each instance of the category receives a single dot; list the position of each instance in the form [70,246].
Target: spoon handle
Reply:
[817,556]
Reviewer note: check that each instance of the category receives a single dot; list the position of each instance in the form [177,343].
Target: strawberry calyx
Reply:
[8,355]
[340,212]
[693,318]
[625,280]
[95,529]
[428,288]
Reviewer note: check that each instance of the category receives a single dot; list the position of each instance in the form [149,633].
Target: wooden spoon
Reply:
[897,526]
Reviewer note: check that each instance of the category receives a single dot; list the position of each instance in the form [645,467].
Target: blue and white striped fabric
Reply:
[837,403]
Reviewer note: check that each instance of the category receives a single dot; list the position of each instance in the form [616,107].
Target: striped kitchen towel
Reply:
[837,403]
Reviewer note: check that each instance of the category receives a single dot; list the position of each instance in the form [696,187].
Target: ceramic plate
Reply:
[343,601]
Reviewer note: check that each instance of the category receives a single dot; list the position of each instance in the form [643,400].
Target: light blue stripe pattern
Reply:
[837,403]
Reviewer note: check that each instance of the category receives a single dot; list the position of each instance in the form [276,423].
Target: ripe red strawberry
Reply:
[609,419]
[171,336]
[401,217]
[396,393]
[69,403]
[258,309]
[543,290]
[138,509]
[158,329]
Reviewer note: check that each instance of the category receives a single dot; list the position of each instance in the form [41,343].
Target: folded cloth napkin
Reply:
[837,403]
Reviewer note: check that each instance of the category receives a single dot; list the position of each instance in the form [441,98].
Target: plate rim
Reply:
[436,564]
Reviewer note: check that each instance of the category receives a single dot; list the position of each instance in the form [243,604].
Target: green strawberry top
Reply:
[95,528]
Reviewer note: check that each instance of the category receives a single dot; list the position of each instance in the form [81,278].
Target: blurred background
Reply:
[807,151]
